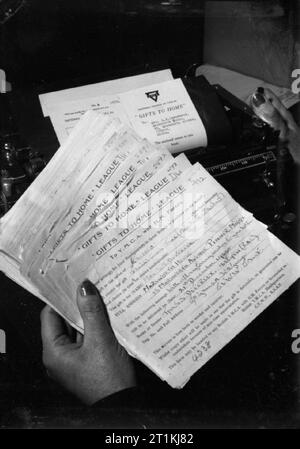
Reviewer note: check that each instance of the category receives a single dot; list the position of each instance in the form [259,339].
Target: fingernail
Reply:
[258,99]
[260,90]
[87,288]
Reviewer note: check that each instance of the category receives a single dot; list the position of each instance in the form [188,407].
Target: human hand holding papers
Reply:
[181,267]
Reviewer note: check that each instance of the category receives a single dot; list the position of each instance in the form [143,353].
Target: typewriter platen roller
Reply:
[243,153]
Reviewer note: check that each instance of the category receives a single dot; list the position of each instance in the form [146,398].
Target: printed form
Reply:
[181,266]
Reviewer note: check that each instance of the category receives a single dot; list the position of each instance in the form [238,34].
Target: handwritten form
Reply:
[162,112]
[65,107]
[66,115]
[181,266]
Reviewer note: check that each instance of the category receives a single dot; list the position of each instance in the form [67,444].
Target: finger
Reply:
[53,328]
[268,107]
[93,313]
[79,338]
[277,103]
[70,331]
[283,132]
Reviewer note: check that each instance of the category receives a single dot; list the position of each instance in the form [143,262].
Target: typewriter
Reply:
[243,153]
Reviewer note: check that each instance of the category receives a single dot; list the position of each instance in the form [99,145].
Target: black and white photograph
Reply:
[149,217]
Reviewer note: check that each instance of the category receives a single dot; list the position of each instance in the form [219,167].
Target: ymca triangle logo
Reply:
[154,94]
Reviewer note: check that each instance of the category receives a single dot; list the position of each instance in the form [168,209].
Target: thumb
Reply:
[93,313]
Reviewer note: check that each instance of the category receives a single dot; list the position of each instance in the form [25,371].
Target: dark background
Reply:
[53,42]
[254,380]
